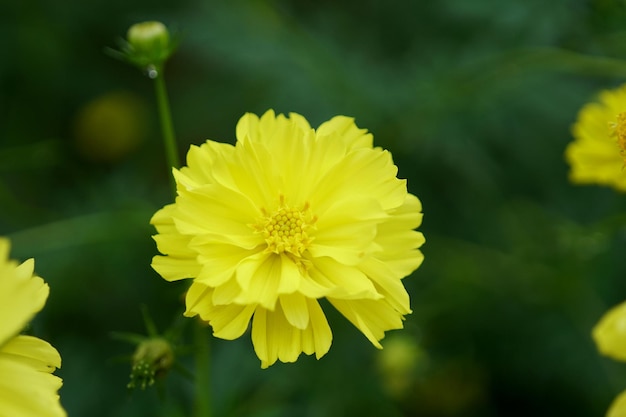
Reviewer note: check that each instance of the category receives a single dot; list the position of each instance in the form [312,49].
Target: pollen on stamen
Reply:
[287,228]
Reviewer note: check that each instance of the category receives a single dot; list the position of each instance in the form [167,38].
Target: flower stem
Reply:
[167,127]
[202,401]
[202,405]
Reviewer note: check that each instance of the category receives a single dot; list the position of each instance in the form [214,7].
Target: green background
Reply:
[475,99]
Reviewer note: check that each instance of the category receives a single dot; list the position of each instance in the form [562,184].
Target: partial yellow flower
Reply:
[598,153]
[610,337]
[610,333]
[288,216]
[618,407]
[27,386]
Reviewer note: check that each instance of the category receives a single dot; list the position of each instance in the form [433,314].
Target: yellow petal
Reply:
[226,293]
[200,160]
[36,353]
[180,261]
[229,321]
[173,269]
[610,333]
[363,172]
[274,338]
[296,310]
[216,209]
[318,330]
[251,171]
[27,391]
[263,346]
[199,301]
[344,282]
[260,278]
[388,284]
[618,407]
[22,295]
[345,128]
[347,230]
[220,261]
[372,317]
[397,241]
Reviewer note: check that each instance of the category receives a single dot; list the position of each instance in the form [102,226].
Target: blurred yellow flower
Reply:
[398,363]
[610,333]
[111,126]
[287,216]
[598,153]
[27,386]
[618,407]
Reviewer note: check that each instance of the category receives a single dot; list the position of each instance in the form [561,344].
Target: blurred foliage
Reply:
[475,100]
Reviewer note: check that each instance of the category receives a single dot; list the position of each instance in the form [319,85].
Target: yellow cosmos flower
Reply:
[287,216]
[27,386]
[598,153]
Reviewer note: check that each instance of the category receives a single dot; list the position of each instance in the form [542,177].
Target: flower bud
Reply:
[148,45]
[148,38]
[152,359]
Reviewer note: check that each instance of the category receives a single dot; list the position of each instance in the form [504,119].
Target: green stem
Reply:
[202,401]
[202,405]
[167,127]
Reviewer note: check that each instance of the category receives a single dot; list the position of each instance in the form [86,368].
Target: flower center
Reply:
[287,229]
[619,130]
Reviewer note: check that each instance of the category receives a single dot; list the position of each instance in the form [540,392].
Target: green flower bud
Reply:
[152,359]
[149,40]
[148,45]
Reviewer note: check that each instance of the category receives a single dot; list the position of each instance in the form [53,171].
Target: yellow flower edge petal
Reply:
[28,391]
[285,217]
[32,351]
[598,153]
[22,294]
[618,406]
[609,333]
[27,386]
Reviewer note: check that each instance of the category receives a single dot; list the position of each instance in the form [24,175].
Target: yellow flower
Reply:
[27,386]
[598,153]
[610,333]
[287,216]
